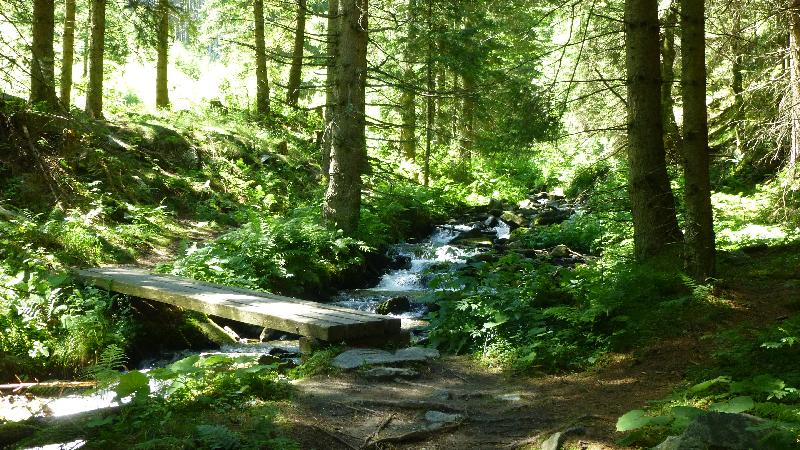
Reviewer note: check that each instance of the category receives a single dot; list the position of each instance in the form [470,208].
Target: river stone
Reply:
[723,431]
[390,373]
[513,220]
[440,417]
[395,305]
[554,216]
[560,251]
[556,440]
[354,358]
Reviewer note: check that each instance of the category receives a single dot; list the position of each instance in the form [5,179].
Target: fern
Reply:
[111,360]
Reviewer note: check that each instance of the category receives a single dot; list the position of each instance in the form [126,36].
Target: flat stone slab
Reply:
[441,417]
[355,358]
[390,373]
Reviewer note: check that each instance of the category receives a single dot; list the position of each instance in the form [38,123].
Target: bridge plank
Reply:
[306,318]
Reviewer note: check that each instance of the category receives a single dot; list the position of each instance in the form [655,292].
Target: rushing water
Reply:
[438,250]
[411,281]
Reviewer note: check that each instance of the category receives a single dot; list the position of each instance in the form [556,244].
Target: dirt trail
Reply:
[347,411]
[342,412]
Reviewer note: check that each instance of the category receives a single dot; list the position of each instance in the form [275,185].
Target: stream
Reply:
[412,262]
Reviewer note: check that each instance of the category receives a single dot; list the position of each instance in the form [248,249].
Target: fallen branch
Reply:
[378,430]
[413,436]
[49,385]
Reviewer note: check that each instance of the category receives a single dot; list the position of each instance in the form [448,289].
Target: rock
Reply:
[722,431]
[442,395]
[509,397]
[490,222]
[352,359]
[440,417]
[554,216]
[472,233]
[526,204]
[555,441]
[390,373]
[399,262]
[395,305]
[560,251]
[513,220]
[495,204]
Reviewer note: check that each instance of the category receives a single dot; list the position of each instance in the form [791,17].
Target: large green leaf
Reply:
[633,420]
[133,383]
[734,405]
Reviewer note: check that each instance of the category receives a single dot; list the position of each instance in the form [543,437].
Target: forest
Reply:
[380,224]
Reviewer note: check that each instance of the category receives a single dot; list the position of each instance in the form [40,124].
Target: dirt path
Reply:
[344,411]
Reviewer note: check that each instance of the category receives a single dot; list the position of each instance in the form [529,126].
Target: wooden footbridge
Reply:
[310,319]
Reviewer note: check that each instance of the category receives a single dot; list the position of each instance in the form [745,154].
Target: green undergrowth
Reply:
[212,402]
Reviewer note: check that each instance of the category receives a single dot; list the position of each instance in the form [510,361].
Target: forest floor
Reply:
[502,411]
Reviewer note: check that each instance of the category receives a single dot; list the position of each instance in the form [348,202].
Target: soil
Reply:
[346,411]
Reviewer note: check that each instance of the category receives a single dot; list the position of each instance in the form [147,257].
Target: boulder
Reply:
[399,262]
[514,220]
[722,431]
[395,305]
[554,216]
[560,251]
[495,204]
[490,222]
[355,358]
[556,440]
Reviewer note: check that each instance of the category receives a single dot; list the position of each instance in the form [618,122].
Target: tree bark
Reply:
[652,202]
[162,89]
[794,68]
[334,25]
[43,88]
[94,91]
[296,72]
[737,79]
[262,76]
[700,248]
[408,98]
[342,206]
[431,103]
[672,134]
[68,53]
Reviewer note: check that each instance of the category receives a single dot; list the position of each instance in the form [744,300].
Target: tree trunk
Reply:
[652,203]
[85,49]
[737,80]
[431,103]
[700,248]
[296,72]
[342,206]
[262,77]
[94,90]
[334,26]
[162,90]
[467,120]
[794,68]
[68,53]
[408,98]
[43,87]
[672,134]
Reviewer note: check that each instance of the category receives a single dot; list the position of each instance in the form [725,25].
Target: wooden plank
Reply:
[317,320]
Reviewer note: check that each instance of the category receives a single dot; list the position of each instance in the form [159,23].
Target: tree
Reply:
[94,91]
[68,53]
[652,203]
[43,88]
[262,77]
[408,98]
[700,249]
[342,206]
[162,47]
[672,134]
[332,49]
[794,68]
[296,71]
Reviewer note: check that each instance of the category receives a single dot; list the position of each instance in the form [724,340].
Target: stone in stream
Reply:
[395,305]
[513,220]
[554,216]
[390,373]
[355,358]
[555,441]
